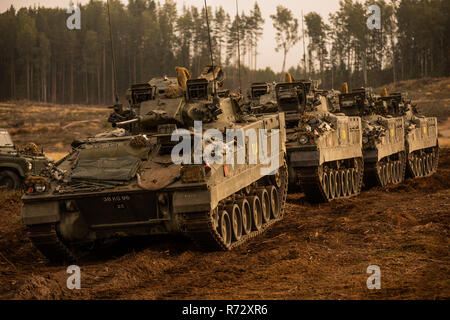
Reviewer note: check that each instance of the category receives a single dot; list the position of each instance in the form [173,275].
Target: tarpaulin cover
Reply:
[118,162]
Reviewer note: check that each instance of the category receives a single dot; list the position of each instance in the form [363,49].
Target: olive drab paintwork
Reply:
[124,182]
[324,149]
[383,136]
[18,164]
[421,135]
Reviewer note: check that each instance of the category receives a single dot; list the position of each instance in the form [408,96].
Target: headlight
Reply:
[36,184]
[365,139]
[29,166]
[39,187]
[303,139]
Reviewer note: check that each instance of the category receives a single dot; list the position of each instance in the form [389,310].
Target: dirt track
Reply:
[317,252]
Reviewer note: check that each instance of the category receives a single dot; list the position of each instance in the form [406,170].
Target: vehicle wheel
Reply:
[255,205]
[347,183]
[265,204]
[419,167]
[236,221]
[338,177]
[326,183]
[9,180]
[354,180]
[246,214]
[332,188]
[225,227]
[274,202]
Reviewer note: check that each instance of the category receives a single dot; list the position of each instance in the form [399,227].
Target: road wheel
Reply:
[9,180]
[332,180]
[246,214]
[236,221]
[274,202]
[265,204]
[255,205]
[225,227]
[338,177]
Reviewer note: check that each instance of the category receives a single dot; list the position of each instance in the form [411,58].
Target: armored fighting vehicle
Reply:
[324,149]
[144,181]
[262,98]
[421,135]
[16,165]
[383,136]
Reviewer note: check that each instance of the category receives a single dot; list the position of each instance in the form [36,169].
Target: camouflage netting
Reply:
[173,91]
[30,149]
[138,142]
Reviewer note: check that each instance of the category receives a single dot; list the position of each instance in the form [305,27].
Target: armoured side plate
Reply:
[40,212]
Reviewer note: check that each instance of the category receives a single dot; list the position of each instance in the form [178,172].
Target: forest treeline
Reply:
[41,59]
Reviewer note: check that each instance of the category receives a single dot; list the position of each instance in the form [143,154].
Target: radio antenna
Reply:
[210,50]
[238,20]
[116,96]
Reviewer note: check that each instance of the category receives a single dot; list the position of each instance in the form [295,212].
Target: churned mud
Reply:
[317,252]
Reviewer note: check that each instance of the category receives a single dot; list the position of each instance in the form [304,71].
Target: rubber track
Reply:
[199,226]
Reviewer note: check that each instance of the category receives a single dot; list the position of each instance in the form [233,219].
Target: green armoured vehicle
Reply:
[421,135]
[383,137]
[16,165]
[324,149]
[129,184]
[262,98]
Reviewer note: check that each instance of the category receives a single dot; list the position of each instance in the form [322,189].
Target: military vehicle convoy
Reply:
[17,165]
[324,149]
[383,139]
[421,135]
[128,184]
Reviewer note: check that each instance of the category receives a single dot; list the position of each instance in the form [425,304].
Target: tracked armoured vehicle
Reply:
[127,183]
[262,98]
[421,136]
[324,149]
[383,137]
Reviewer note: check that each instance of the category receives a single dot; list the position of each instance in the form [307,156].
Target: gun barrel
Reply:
[125,123]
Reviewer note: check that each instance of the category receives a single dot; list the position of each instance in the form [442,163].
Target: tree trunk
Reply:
[63,84]
[32,82]
[54,82]
[86,83]
[98,86]
[28,76]
[104,74]
[284,62]
[71,80]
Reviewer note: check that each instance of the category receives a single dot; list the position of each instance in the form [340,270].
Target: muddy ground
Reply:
[317,252]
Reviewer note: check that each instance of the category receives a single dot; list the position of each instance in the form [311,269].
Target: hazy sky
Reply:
[268,56]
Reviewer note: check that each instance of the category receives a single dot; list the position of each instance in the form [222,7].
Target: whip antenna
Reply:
[210,50]
[112,54]
[239,45]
